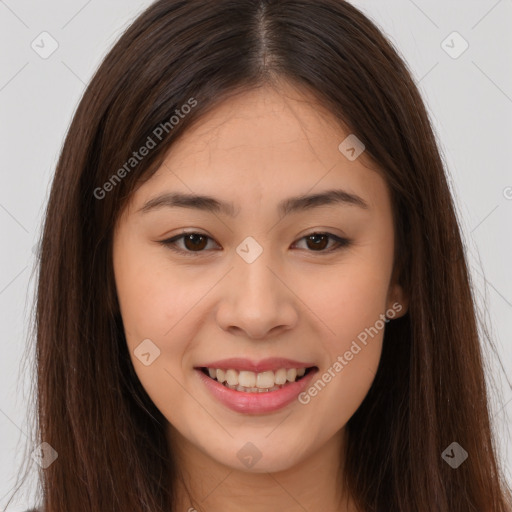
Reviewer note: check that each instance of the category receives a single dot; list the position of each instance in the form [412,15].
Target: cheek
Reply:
[160,303]
[152,298]
[154,304]
[351,303]
[347,299]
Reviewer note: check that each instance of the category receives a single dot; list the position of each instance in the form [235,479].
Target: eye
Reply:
[318,241]
[195,243]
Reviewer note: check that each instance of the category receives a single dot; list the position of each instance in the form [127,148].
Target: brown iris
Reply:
[195,241]
[318,245]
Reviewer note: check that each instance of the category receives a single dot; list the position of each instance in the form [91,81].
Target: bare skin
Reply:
[296,300]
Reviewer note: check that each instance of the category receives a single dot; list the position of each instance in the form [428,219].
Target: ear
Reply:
[397,300]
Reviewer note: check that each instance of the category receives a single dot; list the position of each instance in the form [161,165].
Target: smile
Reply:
[252,382]
[252,392]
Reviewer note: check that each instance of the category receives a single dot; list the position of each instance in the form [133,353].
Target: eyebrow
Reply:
[285,207]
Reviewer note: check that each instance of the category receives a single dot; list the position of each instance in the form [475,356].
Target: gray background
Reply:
[469,99]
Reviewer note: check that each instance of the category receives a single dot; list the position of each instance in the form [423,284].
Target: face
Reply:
[260,276]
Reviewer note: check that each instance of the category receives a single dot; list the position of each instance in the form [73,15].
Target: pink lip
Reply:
[256,403]
[238,363]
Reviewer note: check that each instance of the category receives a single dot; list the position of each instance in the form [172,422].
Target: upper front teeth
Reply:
[261,380]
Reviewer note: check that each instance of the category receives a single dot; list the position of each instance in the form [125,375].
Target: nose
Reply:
[257,299]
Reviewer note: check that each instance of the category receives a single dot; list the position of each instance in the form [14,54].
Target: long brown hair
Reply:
[430,389]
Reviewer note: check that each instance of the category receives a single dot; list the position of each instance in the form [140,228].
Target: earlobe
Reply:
[397,300]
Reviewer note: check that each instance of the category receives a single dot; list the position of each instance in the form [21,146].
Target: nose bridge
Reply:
[257,300]
[257,283]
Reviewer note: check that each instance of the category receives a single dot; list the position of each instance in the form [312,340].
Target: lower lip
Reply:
[256,403]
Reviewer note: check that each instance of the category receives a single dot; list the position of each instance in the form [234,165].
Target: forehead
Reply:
[262,146]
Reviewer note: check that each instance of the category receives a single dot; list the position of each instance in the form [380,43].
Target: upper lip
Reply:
[269,364]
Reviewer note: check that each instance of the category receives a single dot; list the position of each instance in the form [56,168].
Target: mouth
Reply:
[263,394]
[257,382]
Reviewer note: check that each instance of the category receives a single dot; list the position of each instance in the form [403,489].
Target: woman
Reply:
[253,293]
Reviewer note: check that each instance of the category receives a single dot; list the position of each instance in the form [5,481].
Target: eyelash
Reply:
[170,243]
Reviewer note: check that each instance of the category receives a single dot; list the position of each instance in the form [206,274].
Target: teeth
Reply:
[280,377]
[232,377]
[247,379]
[256,382]
[291,374]
[265,380]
